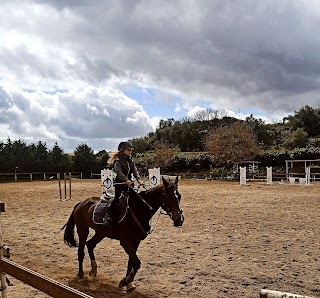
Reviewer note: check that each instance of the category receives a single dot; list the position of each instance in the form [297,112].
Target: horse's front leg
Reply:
[133,264]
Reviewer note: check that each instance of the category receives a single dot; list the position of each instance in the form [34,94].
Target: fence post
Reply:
[65,185]
[70,185]
[4,286]
[59,183]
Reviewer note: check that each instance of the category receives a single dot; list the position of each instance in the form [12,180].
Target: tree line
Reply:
[189,134]
[18,156]
[210,137]
[218,139]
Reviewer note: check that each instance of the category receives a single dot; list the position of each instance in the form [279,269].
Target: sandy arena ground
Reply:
[235,241]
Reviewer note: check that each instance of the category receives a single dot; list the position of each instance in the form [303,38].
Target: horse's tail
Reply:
[69,238]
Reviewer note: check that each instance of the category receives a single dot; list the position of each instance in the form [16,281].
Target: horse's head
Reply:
[171,203]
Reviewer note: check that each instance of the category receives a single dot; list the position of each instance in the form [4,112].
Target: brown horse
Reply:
[130,231]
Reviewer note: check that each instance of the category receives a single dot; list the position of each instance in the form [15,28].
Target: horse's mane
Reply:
[154,189]
[151,190]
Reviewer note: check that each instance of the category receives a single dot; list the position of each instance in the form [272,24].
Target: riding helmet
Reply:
[124,145]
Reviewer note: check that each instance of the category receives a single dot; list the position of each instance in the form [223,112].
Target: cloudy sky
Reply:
[99,72]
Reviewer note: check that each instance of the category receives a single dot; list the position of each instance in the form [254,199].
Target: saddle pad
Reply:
[99,212]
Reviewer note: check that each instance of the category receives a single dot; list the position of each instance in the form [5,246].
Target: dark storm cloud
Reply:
[246,47]
[224,48]
[231,54]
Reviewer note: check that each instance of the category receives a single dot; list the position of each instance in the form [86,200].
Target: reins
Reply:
[142,199]
[151,208]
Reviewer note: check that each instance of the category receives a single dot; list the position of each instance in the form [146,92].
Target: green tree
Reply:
[20,155]
[141,145]
[297,139]
[58,160]
[307,118]
[6,158]
[84,159]
[41,155]
[102,159]
[261,130]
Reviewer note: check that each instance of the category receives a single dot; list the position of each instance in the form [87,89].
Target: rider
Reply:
[124,168]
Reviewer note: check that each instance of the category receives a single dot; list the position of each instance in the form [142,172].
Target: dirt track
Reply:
[235,241]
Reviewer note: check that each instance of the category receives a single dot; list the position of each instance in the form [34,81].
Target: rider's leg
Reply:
[108,220]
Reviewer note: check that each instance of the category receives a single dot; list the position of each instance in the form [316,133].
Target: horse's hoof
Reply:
[131,287]
[123,283]
[80,275]
[124,289]
[128,289]
[93,273]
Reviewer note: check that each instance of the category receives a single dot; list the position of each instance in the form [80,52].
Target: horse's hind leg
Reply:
[82,242]
[91,244]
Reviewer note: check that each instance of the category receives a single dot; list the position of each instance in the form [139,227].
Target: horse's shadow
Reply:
[99,289]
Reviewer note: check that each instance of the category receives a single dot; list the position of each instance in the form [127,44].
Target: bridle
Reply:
[169,211]
[164,206]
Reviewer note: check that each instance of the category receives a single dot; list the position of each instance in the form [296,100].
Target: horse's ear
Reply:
[176,181]
[165,182]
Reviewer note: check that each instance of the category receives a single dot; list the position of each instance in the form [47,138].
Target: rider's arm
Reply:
[136,173]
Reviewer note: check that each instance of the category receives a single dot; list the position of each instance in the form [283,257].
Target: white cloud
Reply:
[193,111]
[90,113]
[259,55]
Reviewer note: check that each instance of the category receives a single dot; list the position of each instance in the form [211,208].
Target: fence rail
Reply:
[39,281]
[7,177]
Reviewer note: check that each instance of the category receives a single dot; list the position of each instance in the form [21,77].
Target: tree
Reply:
[236,142]
[58,160]
[8,163]
[296,139]
[209,114]
[307,118]
[141,144]
[84,159]
[163,154]
[21,157]
[261,130]
[41,154]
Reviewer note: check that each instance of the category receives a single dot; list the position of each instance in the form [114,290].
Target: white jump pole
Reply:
[277,294]
[269,175]
[308,175]
[243,176]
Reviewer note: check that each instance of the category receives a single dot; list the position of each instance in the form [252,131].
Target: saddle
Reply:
[101,209]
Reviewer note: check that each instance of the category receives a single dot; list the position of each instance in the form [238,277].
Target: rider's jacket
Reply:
[124,168]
